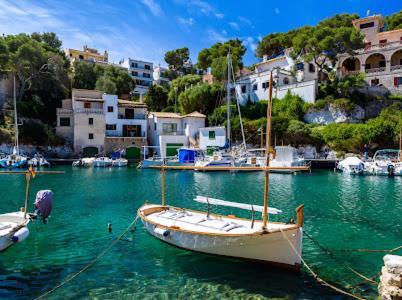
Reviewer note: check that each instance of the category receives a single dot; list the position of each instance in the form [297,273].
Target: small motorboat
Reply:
[218,158]
[13,229]
[103,162]
[351,165]
[119,162]
[38,161]
[84,162]
[384,163]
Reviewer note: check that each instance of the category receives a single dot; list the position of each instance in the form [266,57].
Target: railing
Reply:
[97,111]
[120,135]
[379,46]
[136,117]
[350,72]
[178,132]
[65,111]
[396,67]
[375,70]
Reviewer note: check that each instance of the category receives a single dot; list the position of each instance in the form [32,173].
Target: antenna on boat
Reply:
[268,142]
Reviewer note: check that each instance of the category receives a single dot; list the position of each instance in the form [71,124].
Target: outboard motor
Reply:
[43,204]
[391,170]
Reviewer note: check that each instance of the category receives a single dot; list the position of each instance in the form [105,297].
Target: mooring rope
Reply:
[370,250]
[91,263]
[325,250]
[316,277]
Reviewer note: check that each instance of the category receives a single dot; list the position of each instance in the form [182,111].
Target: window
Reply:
[243,89]
[375,82]
[300,66]
[367,45]
[90,136]
[110,126]
[367,25]
[134,65]
[90,121]
[265,85]
[285,80]
[381,64]
[80,57]
[311,68]
[129,113]
[255,87]
[397,81]
[146,75]
[65,122]
[169,128]
[147,67]
[110,109]
[87,104]
[134,73]
[154,126]
[383,43]
[211,135]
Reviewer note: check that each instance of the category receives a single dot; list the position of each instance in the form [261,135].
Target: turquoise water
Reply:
[342,212]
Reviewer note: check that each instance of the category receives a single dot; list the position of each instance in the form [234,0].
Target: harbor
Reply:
[341,217]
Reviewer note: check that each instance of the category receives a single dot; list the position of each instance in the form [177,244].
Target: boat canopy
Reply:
[187,155]
[351,161]
[207,200]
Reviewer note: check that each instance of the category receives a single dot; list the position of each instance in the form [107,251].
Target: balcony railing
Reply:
[380,46]
[350,72]
[375,70]
[136,117]
[178,132]
[120,135]
[396,67]
[64,111]
[97,111]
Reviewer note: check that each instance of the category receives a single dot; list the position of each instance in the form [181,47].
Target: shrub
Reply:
[344,104]
[37,133]
[6,136]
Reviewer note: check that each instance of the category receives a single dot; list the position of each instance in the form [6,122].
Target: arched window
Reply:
[285,80]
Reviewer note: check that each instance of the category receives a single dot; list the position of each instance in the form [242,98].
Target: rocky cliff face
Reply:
[333,114]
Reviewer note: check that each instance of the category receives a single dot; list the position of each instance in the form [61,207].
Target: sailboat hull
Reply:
[265,247]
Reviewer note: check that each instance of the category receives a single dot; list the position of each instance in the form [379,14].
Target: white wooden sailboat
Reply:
[258,240]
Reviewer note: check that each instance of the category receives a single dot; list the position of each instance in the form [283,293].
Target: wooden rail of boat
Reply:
[27,171]
[219,168]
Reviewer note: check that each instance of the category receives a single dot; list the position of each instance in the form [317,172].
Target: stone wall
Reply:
[332,114]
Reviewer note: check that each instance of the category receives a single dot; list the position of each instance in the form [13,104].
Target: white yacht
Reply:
[103,162]
[38,161]
[386,162]
[351,165]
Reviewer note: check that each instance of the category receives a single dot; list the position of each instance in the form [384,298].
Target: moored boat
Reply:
[38,161]
[119,162]
[351,165]
[102,162]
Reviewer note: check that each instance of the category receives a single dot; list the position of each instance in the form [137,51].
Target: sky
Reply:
[146,29]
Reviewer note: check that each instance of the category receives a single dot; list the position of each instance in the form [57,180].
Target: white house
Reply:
[160,76]
[168,131]
[142,72]
[95,122]
[298,78]
[212,137]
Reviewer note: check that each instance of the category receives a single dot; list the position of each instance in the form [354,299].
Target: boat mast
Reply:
[228,103]
[268,141]
[238,107]
[15,117]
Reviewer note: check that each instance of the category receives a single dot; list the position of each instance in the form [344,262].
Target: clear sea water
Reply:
[342,212]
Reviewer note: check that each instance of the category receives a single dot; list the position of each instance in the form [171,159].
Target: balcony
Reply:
[121,135]
[64,111]
[396,68]
[178,132]
[96,111]
[380,46]
[135,117]
[375,70]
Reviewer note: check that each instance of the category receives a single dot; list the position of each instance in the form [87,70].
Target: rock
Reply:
[332,114]
[390,287]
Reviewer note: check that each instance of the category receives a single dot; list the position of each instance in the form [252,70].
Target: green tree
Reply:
[393,21]
[122,80]
[213,57]
[177,58]
[106,85]
[201,98]
[273,44]
[180,84]
[156,98]
[84,75]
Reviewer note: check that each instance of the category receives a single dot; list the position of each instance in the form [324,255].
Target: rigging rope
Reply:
[92,262]
[319,280]
[371,250]
[325,250]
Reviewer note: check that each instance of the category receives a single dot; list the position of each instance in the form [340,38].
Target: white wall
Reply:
[192,125]
[170,139]
[220,137]
[306,90]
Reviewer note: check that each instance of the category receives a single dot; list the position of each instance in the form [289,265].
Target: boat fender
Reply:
[20,235]
[162,232]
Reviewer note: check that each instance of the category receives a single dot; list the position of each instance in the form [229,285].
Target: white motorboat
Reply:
[102,162]
[84,162]
[217,159]
[287,156]
[13,229]
[384,163]
[120,162]
[351,165]
[38,161]
[257,240]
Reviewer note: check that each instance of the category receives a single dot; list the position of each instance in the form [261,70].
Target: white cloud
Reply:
[246,21]
[219,15]
[213,36]
[277,10]
[201,6]
[251,43]
[185,22]
[153,7]
[234,25]
[224,32]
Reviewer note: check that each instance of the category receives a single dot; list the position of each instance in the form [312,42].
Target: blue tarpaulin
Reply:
[187,155]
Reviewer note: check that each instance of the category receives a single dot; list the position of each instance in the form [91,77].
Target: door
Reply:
[171,149]
[132,130]
[133,153]
[90,151]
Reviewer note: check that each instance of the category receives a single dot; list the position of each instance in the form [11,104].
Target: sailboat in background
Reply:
[14,160]
[257,240]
